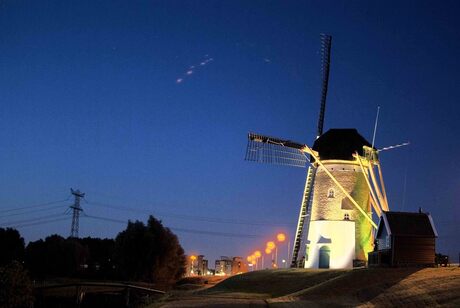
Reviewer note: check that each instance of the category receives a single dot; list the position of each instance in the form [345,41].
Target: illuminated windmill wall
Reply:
[338,233]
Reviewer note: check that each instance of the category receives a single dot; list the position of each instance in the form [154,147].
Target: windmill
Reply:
[341,189]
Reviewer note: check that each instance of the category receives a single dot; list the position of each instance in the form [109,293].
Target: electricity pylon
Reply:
[76,212]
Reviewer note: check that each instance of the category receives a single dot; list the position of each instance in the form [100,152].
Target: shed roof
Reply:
[408,224]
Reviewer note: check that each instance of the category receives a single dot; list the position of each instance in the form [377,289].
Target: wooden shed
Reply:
[404,239]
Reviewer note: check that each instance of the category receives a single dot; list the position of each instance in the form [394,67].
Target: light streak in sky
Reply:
[192,68]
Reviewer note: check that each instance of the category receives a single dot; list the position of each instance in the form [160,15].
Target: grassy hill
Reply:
[384,287]
[321,288]
[272,283]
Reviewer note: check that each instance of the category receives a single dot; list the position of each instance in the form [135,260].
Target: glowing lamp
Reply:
[271,245]
[257,254]
[192,257]
[268,251]
[281,237]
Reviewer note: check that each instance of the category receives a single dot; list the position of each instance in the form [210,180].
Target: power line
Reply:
[105,218]
[213,233]
[41,223]
[224,234]
[34,206]
[32,211]
[191,217]
[18,222]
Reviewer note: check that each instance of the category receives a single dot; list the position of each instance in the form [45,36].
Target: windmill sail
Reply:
[326,41]
[303,215]
[271,150]
[286,152]
[304,219]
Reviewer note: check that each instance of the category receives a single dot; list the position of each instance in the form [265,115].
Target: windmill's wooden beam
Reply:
[308,150]
[353,201]
[374,199]
[273,140]
[375,206]
[377,188]
[383,184]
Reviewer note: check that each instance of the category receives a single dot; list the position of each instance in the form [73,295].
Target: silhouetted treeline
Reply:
[142,252]
[11,246]
[59,257]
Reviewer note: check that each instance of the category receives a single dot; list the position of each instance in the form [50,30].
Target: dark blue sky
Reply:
[89,100]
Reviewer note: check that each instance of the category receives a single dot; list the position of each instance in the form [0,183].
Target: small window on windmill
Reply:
[346,216]
[331,193]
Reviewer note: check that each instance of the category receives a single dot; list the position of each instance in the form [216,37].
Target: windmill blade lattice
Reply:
[270,150]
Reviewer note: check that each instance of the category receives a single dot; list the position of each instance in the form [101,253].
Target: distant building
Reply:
[223,266]
[196,266]
[239,266]
[202,266]
[404,239]
[227,266]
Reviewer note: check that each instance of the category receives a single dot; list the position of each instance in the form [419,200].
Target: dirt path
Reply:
[213,301]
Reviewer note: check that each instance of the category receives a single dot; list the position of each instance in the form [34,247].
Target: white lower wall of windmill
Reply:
[331,241]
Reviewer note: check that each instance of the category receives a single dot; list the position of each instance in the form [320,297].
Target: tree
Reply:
[11,246]
[170,264]
[15,286]
[149,253]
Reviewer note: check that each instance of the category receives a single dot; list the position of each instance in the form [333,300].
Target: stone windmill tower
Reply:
[335,224]
[338,232]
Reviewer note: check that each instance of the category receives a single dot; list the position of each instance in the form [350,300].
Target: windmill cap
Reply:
[340,143]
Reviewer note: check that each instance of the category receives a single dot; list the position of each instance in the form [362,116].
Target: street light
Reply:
[271,245]
[258,254]
[252,259]
[192,258]
[281,237]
